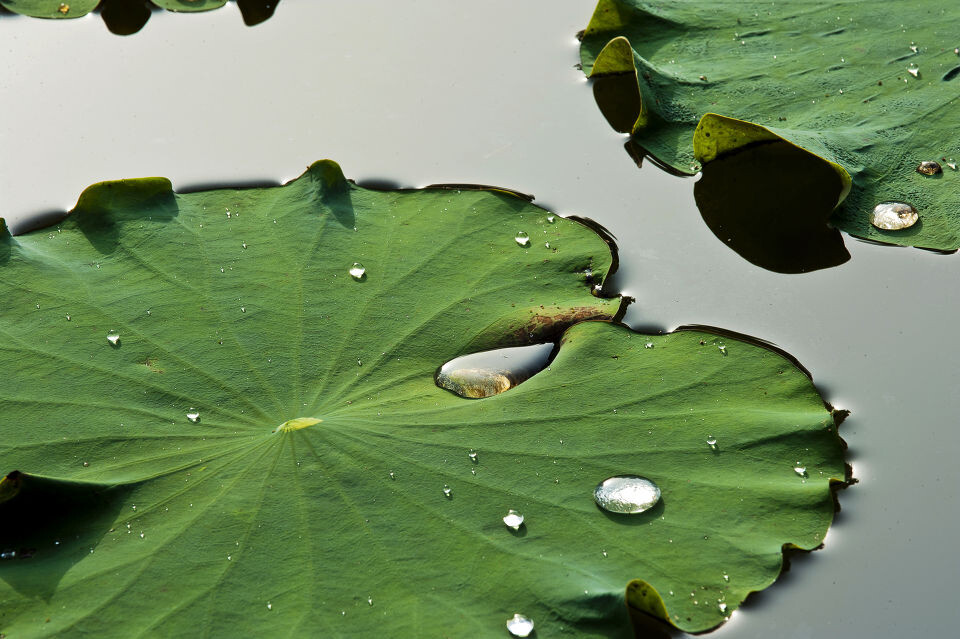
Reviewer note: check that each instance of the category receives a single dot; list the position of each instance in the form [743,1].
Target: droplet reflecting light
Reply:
[893,216]
[513,519]
[357,271]
[626,494]
[193,415]
[522,238]
[519,626]
[113,337]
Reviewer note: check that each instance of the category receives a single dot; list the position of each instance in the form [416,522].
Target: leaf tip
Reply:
[328,173]
[645,604]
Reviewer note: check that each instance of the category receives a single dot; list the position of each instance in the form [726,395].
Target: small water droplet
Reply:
[86,464]
[519,626]
[546,244]
[243,244]
[447,492]
[726,577]
[8,554]
[269,606]
[914,70]
[893,216]
[950,163]
[64,8]
[929,167]
[149,312]
[551,219]
[604,552]
[229,558]
[68,318]
[193,415]
[370,601]
[722,607]
[474,456]
[723,349]
[522,238]
[513,519]
[357,271]
[114,338]
[228,215]
[392,476]
[800,470]
[712,442]
[243,309]
[648,345]
[221,269]
[626,494]
[359,362]
[141,535]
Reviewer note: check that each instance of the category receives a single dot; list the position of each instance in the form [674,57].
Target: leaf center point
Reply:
[297,424]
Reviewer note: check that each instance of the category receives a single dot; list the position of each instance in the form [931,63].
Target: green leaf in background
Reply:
[870,87]
[218,415]
[125,17]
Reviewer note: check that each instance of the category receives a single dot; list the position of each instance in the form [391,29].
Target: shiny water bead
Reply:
[113,338]
[929,167]
[893,216]
[193,415]
[626,494]
[519,626]
[447,491]
[712,441]
[522,238]
[914,70]
[513,519]
[551,219]
[64,8]
[357,271]
[473,455]
[800,470]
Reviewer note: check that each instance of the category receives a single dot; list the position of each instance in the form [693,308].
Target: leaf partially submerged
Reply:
[264,450]
[872,90]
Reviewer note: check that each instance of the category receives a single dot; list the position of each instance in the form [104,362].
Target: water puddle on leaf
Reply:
[490,373]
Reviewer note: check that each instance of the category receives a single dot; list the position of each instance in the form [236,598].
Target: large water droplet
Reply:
[193,415]
[114,338]
[626,494]
[800,470]
[357,271]
[519,626]
[929,167]
[522,238]
[893,216]
[513,519]
[491,372]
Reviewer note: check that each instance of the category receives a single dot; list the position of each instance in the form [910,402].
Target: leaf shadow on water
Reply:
[770,203]
[50,525]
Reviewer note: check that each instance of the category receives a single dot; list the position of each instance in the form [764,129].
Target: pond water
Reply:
[425,92]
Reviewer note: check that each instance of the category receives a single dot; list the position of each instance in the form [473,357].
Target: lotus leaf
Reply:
[871,88]
[218,416]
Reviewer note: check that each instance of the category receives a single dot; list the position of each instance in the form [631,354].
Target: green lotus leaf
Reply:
[50,8]
[208,424]
[871,88]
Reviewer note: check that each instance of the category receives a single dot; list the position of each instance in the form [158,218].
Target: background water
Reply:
[423,92]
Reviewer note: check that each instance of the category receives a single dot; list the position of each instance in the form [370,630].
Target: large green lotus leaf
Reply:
[308,497]
[834,78]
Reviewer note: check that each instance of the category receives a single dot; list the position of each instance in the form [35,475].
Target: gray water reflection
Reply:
[886,314]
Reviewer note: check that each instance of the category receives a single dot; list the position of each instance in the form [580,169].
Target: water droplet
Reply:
[149,312]
[392,476]
[648,345]
[546,244]
[522,238]
[626,494]
[64,8]
[929,167]
[229,558]
[228,215]
[950,163]
[68,318]
[712,442]
[490,373]
[447,492]
[726,577]
[269,606]
[604,552]
[914,70]
[800,470]
[474,456]
[519,626]
[357,271]
[243,244]
[86,464]
[370,600]
[723,349]
[893,216]
[141,535]
[193,415]
[513,519]
[722,607]
[551,219]
[913,48]
[243,309]
[113,337]
[221,269]
[8,554]
[359,362]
